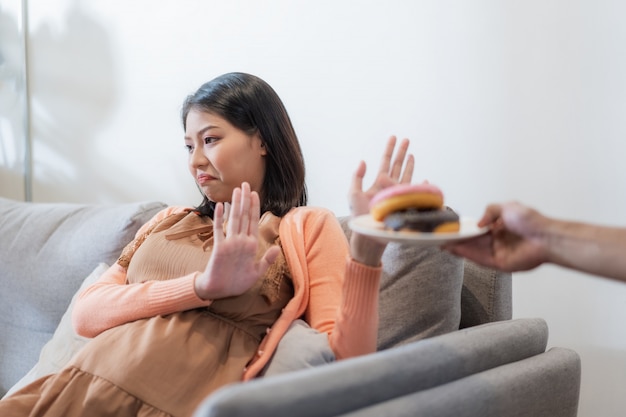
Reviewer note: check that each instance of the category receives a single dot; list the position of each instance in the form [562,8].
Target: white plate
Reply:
[366,225]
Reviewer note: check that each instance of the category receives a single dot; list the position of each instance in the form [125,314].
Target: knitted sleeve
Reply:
[110,301]
[343,294]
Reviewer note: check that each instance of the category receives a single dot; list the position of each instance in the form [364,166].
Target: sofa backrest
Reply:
[46,251]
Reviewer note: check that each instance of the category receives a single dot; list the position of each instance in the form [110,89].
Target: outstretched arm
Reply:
[521,238]
[363,249]
[356,328]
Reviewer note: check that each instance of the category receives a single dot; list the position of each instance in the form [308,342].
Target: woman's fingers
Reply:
[401,169]
[398,162]
[385,161]
[407,175]
[255,213]
[357,178]
[235,212]
[270,256]
[218,223]
[244,211]
[226,211]
[244,223]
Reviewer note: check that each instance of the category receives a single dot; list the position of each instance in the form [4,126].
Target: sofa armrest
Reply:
[545,385]
[358,383]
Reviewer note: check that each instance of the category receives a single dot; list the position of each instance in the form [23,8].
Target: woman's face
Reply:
[221,156]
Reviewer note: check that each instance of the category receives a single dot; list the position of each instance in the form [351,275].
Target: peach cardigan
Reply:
[333,293]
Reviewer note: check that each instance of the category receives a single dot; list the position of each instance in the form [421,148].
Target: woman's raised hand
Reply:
[400,171]
[233,267]
[393,170]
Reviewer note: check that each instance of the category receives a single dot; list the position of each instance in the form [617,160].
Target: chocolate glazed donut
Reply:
[428,221]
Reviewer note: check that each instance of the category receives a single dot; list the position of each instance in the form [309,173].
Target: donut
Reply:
[399,197]
[414,207]
[429,221]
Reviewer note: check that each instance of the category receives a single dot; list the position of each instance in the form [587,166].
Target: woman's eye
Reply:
[209,139]
[189,148]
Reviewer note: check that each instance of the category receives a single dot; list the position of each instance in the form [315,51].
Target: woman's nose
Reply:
[198,158]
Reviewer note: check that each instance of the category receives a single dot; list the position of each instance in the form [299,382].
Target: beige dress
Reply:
[165,365]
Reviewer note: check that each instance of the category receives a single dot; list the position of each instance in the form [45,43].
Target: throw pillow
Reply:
[301,347]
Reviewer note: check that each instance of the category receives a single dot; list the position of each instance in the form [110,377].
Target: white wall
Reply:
[502,100]
[13,107]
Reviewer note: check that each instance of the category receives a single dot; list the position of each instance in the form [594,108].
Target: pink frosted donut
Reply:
[423,196]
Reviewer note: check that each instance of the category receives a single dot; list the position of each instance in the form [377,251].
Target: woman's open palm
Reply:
[398,170]
[233,266]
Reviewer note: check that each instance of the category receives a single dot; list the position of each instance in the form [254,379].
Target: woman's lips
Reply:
[203,178]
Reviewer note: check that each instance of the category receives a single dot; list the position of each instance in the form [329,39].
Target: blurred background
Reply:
[502,100]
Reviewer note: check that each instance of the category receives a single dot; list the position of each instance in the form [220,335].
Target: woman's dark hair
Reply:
[251,105]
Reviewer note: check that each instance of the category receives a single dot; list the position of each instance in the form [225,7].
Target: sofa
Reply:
[447,343]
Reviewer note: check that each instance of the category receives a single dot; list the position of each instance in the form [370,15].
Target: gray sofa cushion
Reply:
[300,348]
[483,297]
[420,292]
[58,246]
